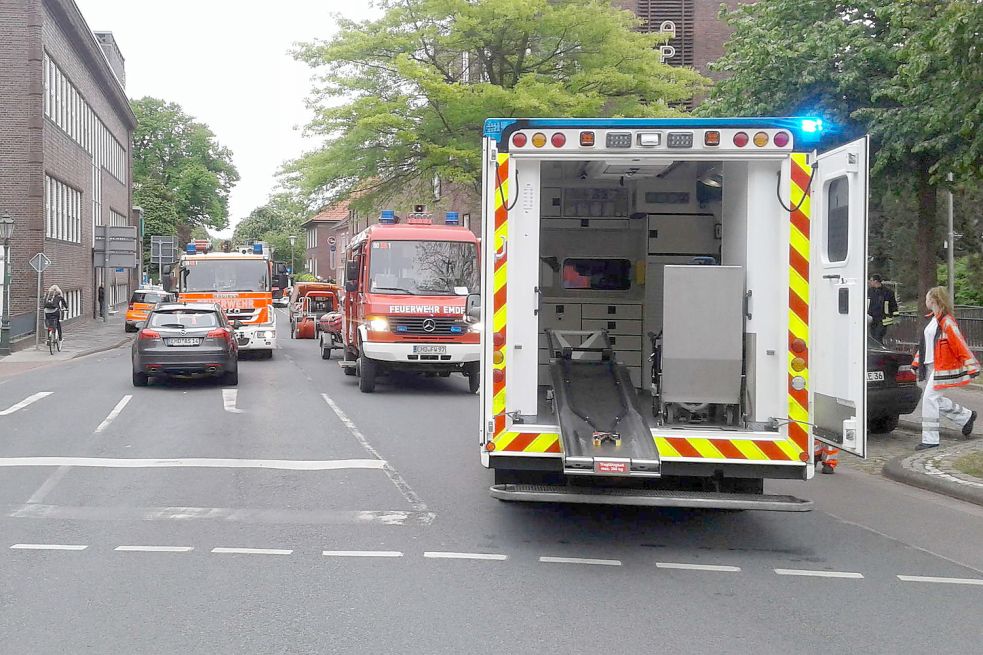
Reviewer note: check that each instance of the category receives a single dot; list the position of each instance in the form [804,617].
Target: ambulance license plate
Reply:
[875,376]
[429,350]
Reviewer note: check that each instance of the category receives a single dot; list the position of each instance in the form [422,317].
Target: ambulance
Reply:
[407,281]
[240,282]
[673,309]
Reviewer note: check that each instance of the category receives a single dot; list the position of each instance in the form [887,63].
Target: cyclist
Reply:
[54,302]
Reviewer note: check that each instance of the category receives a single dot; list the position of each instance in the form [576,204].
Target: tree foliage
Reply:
[402,99]
[181,175]
[274,223]
[907,72]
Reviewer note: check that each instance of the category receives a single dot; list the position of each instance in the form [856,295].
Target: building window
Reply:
[311,237]
[62,211]
[117,219]
[65,107]
[118,293]
[73,299]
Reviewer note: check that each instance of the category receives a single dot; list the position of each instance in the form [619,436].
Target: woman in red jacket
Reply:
[944,361]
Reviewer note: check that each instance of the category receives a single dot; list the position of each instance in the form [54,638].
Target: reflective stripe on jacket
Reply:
[954,363]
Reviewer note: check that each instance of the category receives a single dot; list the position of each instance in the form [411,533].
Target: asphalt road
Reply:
[301,516]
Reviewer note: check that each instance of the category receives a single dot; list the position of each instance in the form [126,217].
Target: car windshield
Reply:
[150,297]
[183,318]
[423,267]
[225,275]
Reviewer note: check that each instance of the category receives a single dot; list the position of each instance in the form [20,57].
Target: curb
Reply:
[896,470]
[100,349]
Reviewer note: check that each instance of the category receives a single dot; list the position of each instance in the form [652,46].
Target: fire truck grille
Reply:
[422,326]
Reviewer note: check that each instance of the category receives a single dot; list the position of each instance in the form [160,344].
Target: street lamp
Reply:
[293,240]
[6,232]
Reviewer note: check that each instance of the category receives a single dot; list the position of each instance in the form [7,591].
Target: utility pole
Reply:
[952,247]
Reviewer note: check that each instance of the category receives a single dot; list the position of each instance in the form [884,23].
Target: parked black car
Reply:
[186,339]
[892,388]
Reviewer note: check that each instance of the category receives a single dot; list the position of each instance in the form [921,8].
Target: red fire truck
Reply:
[406,284]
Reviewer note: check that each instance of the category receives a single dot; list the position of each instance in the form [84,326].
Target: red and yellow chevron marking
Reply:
[500,292]
[527,442]
[798,299]
[784,450]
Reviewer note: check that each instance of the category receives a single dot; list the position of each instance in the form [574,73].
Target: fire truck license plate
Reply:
[429,350]
[183,342]
[875,376]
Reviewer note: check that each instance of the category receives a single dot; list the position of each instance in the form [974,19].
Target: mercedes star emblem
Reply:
[429,325]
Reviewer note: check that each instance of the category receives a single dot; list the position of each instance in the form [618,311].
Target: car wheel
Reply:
[230,378]
[140,379]
[472,370]
[129,328]
[367,369]
[882,424]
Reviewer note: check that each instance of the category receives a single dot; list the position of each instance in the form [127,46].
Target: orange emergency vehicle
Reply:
[240,282]
[406,284]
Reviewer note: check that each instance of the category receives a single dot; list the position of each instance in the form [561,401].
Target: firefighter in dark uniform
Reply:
[881,307]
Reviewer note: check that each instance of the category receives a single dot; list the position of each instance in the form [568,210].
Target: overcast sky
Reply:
[227,63]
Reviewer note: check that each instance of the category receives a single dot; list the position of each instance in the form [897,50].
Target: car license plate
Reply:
[430,350]
[183,342]
[875,376]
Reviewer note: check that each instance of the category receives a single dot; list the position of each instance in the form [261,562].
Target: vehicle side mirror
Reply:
[351,271]
[473,306]
[140,325]
[351,285]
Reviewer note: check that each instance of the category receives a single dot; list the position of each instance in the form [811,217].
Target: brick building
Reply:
[326,260]
[65,133]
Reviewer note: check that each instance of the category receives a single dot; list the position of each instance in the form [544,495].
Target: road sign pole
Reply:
[37,318]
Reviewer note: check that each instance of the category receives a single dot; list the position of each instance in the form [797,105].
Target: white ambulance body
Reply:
[673,309]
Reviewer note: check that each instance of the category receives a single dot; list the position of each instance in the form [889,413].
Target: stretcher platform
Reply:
[601,431]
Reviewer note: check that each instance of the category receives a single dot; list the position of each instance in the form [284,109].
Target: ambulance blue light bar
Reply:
[257,248]
[452,218]
[807,131]
[190,249]
[388,216]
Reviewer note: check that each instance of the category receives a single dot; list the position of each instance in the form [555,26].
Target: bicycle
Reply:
[53,341]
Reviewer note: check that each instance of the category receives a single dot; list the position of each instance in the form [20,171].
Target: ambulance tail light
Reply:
[741,139]
[559,139]
[519,139]
[711,138]
[761,139]
[781,139]
[539,139]
[587,138]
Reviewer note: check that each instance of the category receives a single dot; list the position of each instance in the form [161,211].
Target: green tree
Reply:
[181,175]
[402,99]
[888,69]
[274,223]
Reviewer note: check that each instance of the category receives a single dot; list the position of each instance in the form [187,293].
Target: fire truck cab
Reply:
[406,285]
[674,309]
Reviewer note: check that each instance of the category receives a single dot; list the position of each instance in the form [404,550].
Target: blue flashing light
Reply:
[387,216]
[812,125]
[456,329]
[402,328]
[452,218]
[190,249]
[257,248]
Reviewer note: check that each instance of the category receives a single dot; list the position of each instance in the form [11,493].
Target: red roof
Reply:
[330,214]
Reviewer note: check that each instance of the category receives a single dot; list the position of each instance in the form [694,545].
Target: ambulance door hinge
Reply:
[490,429]
[492,156]
[747,304]
[516,417]
[539,300]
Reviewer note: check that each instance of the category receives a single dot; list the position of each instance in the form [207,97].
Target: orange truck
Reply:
[240,282]
[406,286]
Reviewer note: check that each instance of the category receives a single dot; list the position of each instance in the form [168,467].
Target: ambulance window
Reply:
[838,220]
[597,274]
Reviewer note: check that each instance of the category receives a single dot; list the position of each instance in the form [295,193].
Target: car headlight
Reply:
[378,324]
[477,327]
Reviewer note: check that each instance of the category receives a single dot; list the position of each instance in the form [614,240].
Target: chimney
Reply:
[113,55]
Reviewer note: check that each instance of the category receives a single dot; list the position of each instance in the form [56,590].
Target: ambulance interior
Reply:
[648,262]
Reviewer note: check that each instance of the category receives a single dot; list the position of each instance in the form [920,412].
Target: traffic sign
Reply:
[40,262]
[331,241]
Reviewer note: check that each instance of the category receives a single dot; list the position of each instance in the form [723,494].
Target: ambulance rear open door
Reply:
[837,353]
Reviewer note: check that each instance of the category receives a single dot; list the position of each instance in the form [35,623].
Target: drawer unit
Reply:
[624,344]
[616,326]
[612,311]
[561,316]
[629,357]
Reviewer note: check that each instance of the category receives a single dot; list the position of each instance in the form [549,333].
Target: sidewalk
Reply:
[81,338]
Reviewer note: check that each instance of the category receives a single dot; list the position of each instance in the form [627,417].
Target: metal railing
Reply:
[907,330]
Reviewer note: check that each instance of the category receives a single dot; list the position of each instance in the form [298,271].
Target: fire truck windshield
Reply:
[225,275]
[423,268]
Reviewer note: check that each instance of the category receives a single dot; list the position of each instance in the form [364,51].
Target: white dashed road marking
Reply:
[278,464]
[697,567]
[30,400]
[362,553]
[229,399]
[446,555]
[251,551]
[154,549]
[48,547]
[924,578]
[113,414]
[415,501]
[819,574]
[579,560]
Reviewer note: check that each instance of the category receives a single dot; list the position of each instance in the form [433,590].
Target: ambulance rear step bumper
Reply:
[534,493]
